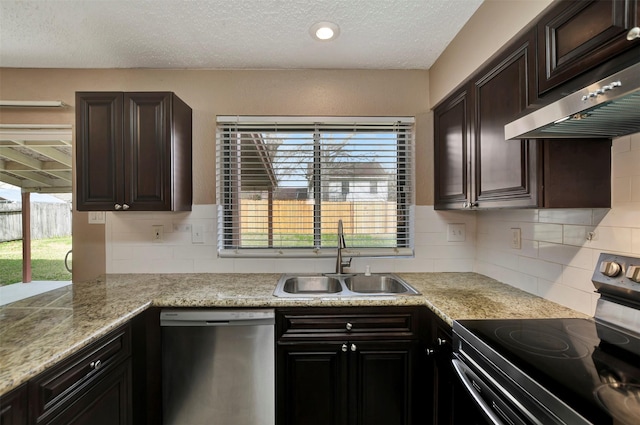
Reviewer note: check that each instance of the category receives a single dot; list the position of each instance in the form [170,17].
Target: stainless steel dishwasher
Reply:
[218,366]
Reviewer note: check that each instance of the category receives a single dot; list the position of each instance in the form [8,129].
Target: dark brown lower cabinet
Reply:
[442,372]
[349,366]
[452,405]
[312,384]
[146,359]
[13,407]
[381,384]
[91,387]
[106,402]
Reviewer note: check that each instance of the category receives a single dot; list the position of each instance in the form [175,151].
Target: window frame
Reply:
[405,175]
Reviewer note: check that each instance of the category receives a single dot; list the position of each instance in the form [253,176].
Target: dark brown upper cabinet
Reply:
[452,151]
[503,172]
[133,152]
[576,36]
[475,167]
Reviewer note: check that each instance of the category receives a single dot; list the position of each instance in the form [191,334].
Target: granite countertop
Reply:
[37,332]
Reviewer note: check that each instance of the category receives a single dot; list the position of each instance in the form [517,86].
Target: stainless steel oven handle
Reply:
[504,416]
[460,369]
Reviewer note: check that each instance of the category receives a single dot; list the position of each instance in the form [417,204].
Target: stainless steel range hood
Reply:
[609,108]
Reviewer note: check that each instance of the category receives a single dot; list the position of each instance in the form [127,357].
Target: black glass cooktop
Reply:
[590,367]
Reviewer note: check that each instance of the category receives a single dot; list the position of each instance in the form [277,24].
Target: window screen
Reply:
[284,182]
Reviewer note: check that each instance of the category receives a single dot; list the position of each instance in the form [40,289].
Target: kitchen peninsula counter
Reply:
[38,332]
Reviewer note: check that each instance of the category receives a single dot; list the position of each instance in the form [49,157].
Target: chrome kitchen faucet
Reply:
[340,265]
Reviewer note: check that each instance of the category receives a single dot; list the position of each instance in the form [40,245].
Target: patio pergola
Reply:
[37,159]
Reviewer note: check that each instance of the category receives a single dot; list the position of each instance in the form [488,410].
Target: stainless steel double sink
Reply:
[342,285]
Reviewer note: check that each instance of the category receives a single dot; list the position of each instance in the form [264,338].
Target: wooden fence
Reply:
[296,217]
[48,220]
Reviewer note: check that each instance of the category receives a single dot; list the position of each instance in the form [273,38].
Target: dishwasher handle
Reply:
[217,317]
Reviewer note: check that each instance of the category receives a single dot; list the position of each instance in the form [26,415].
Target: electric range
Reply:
[559,371]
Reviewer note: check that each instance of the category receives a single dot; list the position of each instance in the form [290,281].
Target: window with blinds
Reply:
[284,182]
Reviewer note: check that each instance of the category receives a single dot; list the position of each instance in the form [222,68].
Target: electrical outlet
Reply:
[197,233]
[456,232]
[158,233]
[516,238]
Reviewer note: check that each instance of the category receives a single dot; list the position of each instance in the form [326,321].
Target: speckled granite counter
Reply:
[38,332]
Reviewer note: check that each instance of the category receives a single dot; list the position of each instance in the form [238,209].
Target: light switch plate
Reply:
[456,232]
[96,217]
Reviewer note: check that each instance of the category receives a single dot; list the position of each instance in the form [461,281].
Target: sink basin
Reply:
[311,284]
[376,283]
[348,285]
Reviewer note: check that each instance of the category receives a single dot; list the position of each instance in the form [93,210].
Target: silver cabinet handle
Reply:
[96,365]
[349,326]
[441,341]
[353,347]
[344,348]
[125,207]
[430,351]
[118,207]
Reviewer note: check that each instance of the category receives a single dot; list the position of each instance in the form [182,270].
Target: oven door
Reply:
[494,407]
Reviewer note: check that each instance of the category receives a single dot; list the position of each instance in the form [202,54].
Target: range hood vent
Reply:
[609,108]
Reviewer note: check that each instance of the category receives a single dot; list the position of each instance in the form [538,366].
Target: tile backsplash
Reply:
[559,248]
[130,248]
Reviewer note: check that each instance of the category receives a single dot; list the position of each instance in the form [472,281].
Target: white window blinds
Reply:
[284,182]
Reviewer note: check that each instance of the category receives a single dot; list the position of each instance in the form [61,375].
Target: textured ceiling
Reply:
[227,34]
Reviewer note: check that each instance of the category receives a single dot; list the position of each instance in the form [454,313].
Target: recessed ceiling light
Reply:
[324,31]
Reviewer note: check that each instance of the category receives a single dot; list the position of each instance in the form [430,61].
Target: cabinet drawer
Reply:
[69,378]
[340,323]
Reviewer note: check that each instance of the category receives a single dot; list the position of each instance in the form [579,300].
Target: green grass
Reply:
[260,240]
[47,260]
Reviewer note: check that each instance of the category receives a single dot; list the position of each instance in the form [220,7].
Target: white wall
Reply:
[556,260]
[130,250]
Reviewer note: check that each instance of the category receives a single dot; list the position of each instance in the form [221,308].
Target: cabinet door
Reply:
[442,375]
[576,36]
[147,153]
[504,170]
[13,407]
[60,385]
[451,152]
[100,178]
[381,382]
[108,402]
[312,384]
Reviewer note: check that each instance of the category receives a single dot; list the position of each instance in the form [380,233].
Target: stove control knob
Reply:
[633,273]
[610,268]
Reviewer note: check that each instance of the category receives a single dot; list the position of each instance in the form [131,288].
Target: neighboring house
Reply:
[355,181]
